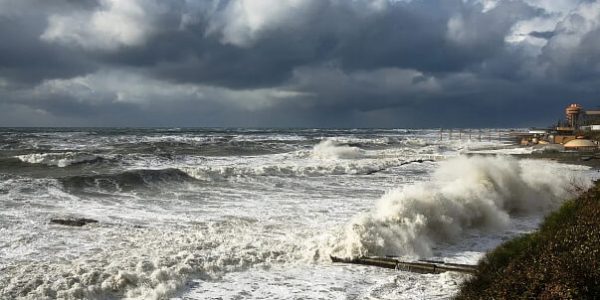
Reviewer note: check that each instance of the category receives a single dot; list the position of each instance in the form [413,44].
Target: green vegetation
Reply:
[559,261]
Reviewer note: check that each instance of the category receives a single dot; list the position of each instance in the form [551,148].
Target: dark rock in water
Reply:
[73,222]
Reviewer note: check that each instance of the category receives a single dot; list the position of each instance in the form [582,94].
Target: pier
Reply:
[470,134]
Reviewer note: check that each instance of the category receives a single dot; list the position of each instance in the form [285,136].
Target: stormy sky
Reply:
[296,63]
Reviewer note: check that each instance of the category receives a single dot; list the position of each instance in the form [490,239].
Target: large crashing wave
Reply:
[464,193]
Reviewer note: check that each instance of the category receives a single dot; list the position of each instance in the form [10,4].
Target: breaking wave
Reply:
[125,181]
[61,160]
[330,149]
[465,193]
[147,263]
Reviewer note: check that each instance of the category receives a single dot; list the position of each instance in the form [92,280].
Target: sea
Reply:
[230,213]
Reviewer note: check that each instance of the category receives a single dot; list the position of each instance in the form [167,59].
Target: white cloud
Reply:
[242,22]
[557,13]
[575,25]
[555,6]
[570,33]
[569,49]
[520,32]
[487,4]
[115,24]
[457,31]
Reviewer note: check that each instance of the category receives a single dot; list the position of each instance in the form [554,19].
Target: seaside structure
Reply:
[579,131]
[579,119]
[580,145]
[573,111]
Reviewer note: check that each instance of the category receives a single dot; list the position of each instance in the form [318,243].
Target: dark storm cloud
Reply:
[24,58]
[295,63]
[404,35]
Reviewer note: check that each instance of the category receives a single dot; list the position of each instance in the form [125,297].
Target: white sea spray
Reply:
[464,193]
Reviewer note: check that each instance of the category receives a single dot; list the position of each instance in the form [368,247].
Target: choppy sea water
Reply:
[255,214]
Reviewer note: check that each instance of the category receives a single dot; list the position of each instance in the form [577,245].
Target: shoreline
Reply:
[557,261]
[590,159]
[551,259]
[581,158]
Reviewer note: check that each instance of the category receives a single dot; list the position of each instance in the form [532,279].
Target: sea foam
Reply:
[464,193]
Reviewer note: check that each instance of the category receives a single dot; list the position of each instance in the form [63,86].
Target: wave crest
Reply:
[63,159]
[127,180]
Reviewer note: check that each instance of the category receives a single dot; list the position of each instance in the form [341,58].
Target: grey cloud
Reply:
[299,63]
[405,35]
[542,34]
[572,53]
[24,58]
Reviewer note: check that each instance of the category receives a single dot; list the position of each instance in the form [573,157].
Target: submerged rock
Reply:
[78,222]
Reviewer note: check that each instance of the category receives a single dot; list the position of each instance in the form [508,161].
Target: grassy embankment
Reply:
[559,261]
